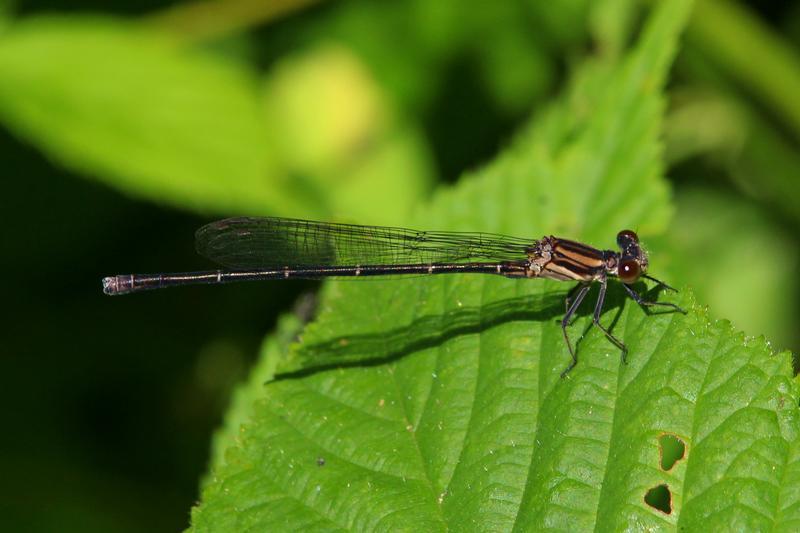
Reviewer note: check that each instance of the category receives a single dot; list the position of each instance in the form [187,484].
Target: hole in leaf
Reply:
[659,498]
[671,449]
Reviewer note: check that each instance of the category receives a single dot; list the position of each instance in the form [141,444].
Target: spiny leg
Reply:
[660,283]
[644,303]
[570,296]
[598,308]
[576,302]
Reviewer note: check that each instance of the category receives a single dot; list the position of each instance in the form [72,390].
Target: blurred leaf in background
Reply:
[760,248]
[130,103]
[734,126]
[116,101]
[337,131]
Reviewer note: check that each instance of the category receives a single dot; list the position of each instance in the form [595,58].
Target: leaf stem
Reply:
[751,53]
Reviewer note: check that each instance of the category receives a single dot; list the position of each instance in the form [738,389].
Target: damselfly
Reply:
[280,248]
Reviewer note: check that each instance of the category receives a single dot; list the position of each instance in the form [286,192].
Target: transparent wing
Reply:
[264,243]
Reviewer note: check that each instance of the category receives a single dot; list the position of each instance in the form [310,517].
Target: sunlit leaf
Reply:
[442,407]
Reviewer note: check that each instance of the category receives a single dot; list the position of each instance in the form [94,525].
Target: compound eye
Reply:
[629,271]
[627,235]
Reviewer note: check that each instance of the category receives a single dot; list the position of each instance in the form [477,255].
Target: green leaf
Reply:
[241,408]
[123,103]
[444,408]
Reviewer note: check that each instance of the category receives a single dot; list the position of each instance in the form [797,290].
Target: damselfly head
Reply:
[632,258]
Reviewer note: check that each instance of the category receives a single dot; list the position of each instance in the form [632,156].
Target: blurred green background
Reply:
[123,128]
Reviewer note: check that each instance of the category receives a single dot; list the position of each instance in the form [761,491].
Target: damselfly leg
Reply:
[570,296]
[598,308]
[583,289]
[576,296]
[646,304]
[660,283]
